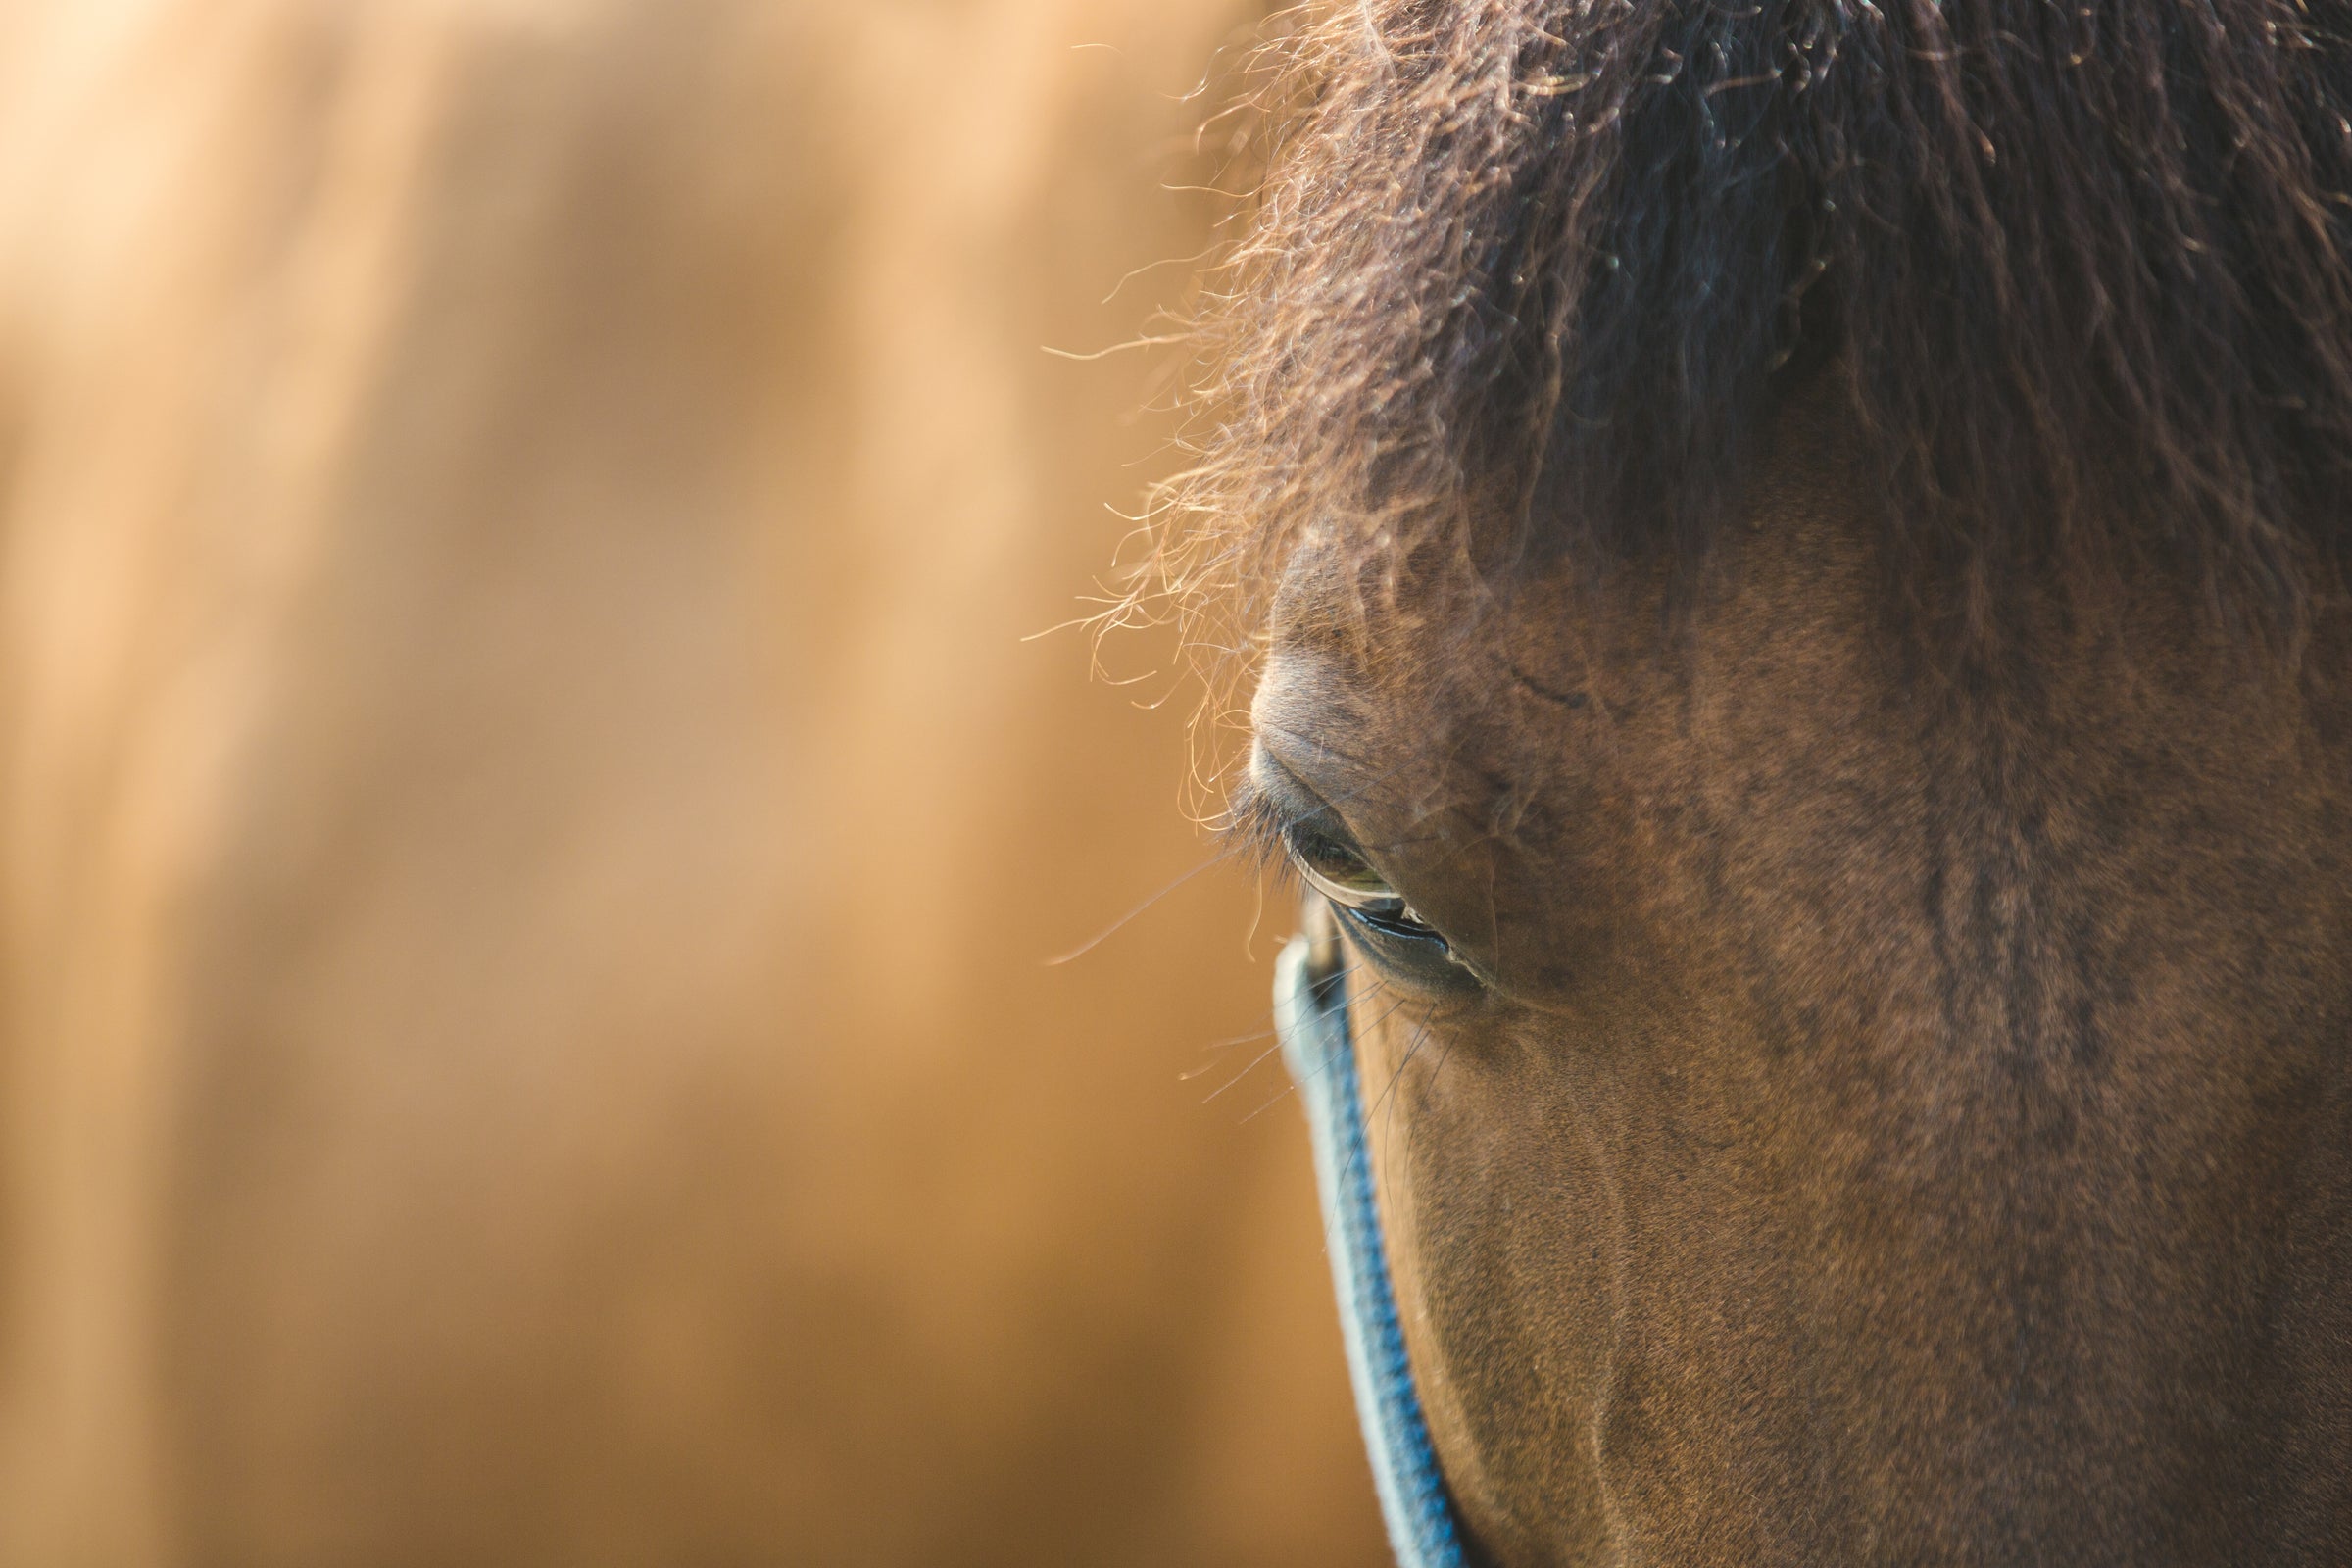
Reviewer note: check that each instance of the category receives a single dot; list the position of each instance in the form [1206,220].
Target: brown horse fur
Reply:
[1557,262]
[1900,1111]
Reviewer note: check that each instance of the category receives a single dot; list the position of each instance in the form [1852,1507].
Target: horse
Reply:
[530,833]
[1793,561]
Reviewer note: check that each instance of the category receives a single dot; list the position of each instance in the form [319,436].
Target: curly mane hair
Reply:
[2076,270]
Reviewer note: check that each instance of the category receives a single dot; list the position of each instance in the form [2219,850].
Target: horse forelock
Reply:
[1540,271]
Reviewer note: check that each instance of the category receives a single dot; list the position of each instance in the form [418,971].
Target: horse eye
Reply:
[1392,932]
[1339,873]
[1335,869]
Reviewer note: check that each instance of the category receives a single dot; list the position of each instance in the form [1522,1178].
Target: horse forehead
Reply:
[1556,690]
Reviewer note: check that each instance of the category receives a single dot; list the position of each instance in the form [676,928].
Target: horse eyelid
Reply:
[1384,901]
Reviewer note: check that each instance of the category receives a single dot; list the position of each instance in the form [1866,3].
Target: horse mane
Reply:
[2075,271]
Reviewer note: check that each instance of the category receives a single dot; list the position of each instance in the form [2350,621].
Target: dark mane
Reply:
[2077,270]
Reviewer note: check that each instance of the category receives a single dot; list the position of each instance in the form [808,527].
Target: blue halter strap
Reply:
[1311,1013]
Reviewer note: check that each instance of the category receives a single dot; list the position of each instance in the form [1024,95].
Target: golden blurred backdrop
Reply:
[530,829]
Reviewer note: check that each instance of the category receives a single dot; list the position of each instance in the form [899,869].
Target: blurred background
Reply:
[530,833]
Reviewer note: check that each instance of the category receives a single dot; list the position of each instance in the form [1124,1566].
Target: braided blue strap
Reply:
[1316,1047]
